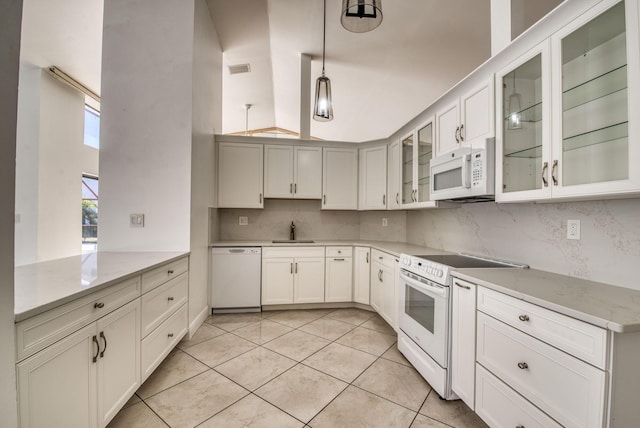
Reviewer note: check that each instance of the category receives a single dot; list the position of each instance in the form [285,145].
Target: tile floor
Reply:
[298,368]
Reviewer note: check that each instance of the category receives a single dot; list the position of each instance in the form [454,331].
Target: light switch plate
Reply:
[136,220]
[243,220]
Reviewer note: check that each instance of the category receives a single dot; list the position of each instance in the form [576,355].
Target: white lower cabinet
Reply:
[339,274]
[293,275]
[361,275]
[463,340]
[84,379]
[383,286]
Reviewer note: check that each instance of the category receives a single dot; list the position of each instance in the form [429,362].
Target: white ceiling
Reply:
[380,79]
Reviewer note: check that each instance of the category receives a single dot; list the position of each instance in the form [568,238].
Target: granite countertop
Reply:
[391,247]
[45,285]
[607,306]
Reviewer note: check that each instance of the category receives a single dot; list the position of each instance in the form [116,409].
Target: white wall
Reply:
[146,118]
[535,234]
[207,114]
[50,161]
[10,20]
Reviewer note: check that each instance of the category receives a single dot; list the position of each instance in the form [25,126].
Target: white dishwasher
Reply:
[235,279]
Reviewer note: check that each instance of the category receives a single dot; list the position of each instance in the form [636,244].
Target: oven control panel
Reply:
[433,271]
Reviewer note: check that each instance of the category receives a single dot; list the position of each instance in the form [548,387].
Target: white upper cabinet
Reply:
[466,120]
[292,172]
[339,179]
[564,130]
[240,167]
[393,176]
[416,151]
[373,178]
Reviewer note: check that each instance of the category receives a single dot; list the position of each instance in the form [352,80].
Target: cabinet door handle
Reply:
[466,287]
[545,169]
[95,341]
[384,199]
[457,135]
[523,366]
[296,267]
[291,267]
[367,258]
[523,318]
[397,198]
[295,187]
[381,276]
[462,132]
[98,305]
[290,187]
[260,197]
[170,298]
[102,336]
[554,170]
[324,199]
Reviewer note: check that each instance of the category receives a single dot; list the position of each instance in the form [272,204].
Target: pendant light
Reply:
[360,16]
[514,107]
[323,110]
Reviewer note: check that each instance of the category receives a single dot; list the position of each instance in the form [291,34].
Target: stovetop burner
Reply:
[459,261]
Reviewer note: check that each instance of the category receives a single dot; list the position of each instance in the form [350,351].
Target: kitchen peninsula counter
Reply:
[42,286]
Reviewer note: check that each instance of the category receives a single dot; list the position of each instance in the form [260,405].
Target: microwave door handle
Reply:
[466,161]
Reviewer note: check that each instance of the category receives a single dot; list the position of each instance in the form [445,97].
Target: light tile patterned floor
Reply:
[299,368]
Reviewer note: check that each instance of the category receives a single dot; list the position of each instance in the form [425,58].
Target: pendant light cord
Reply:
[324,33]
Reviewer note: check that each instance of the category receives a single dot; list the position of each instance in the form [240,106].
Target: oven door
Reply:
[424,315]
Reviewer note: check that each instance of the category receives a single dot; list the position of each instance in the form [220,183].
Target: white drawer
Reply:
[340,252]
[567,389]
[40,331]
[161,302]
[582,340]
[162,340]
[293,252]
[501,407]
[384,258]
[164,273]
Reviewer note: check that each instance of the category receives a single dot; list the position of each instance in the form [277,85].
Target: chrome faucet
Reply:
[292,232]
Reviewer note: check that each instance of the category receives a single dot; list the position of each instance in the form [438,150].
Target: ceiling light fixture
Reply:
[323,110]
[360,16]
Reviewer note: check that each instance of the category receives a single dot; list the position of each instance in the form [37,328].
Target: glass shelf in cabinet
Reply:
[423,181]
[529,153]
[597,136]
[598,87]
[532,113]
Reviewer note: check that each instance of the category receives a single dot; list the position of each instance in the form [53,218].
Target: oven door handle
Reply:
[423,285]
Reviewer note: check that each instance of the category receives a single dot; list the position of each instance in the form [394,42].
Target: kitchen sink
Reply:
[292,241]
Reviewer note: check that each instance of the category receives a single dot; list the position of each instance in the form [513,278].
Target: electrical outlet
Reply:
[573,229]
[243,220]
[136,220]
[385,222]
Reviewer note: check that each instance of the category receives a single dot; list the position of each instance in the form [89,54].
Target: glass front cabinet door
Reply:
[416,153]
[576,140]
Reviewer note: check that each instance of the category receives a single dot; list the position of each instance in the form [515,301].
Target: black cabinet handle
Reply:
[102,336]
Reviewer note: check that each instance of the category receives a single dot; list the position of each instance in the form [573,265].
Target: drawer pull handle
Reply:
[523,366]
[170,271]
[338,260]
[523,317]
[170,299]
[170,335]
[520,426]
[466,287]
[380,258]
[95,340]
[97,305]
[102,336]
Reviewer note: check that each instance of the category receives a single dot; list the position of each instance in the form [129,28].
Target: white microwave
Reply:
[465,174]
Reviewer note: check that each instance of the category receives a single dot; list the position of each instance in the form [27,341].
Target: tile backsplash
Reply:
[536,234]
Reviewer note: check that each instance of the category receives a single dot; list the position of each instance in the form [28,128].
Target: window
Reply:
[89,213]
[91,127]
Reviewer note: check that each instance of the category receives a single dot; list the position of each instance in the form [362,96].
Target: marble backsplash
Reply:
[311,223]
[535,234]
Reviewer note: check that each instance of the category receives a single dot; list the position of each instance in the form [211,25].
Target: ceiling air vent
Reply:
[239,68]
